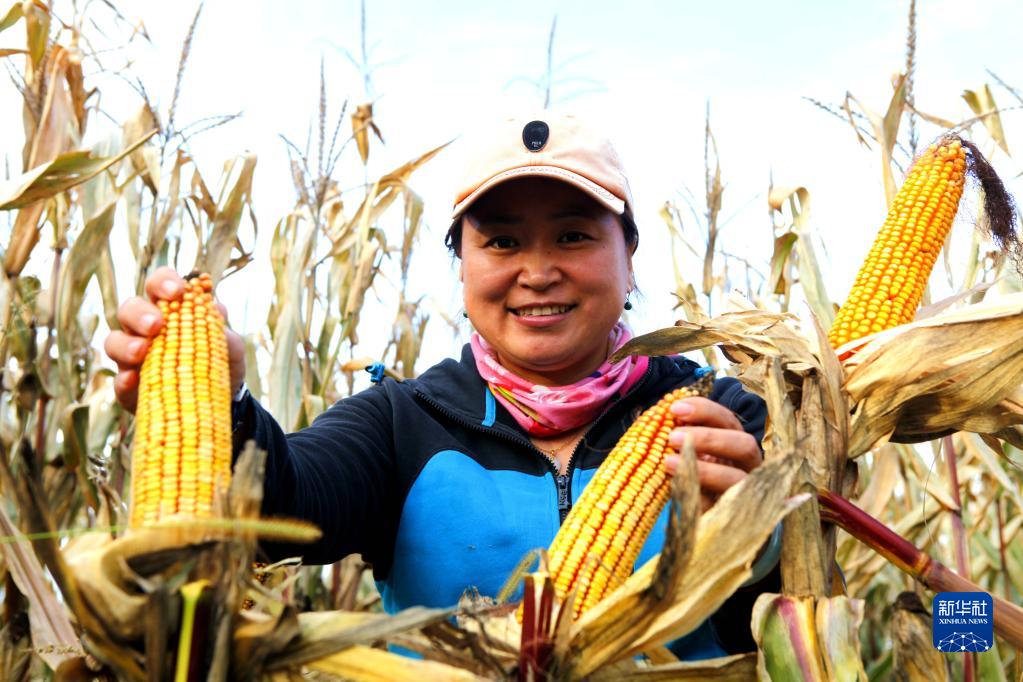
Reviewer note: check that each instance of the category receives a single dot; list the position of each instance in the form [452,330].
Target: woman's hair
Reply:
[453,239]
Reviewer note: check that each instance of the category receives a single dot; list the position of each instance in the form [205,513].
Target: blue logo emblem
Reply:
[963,621]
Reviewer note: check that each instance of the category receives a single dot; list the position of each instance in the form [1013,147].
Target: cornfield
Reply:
[893,456]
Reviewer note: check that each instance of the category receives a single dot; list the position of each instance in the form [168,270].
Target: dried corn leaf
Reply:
[366,664]
[883,477]
[324,633]
[255,639]
[57,131]
[12,16]
[234,197]
[75,274]
[63,173]
[145,161]
[810,278]
[24,238]
[885,129]
[157,236]
[37,24]
[378,198]
[285,379]
[737,668]
[727,540]
[982,103]
[888,132]
[989,459]
[52,633]
[107,281]
[744,335]
[362,123]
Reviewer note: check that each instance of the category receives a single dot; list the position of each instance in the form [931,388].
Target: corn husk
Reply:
[804,638]
[737,668]
[914,658]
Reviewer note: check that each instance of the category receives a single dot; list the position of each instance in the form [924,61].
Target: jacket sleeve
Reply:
[732,620]
[748,407]
[338,474]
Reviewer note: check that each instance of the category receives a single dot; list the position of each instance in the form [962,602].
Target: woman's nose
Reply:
[539,270]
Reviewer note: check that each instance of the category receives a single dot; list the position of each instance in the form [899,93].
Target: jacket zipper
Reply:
[564,492]
[562,482]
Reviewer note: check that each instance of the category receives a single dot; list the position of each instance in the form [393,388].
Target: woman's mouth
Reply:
[541,310]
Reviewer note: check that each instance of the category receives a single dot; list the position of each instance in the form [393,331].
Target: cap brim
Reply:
[593,189]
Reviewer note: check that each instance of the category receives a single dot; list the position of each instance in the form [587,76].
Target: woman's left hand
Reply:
[725,452]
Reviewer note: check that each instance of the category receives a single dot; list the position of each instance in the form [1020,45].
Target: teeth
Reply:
[543,310]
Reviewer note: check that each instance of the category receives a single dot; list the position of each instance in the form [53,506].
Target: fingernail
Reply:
[671,462]
[149,322]
[169,288]
[675,438]
[681,408]
[136,348]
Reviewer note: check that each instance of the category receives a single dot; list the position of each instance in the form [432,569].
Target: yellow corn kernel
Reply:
[892,279]
[181,457]
[596,548]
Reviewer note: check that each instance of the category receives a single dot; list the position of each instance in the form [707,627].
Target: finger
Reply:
[165,282]
[127,350]
[126,388]
[140,317]
[739,448]
[715,479]
[705,412]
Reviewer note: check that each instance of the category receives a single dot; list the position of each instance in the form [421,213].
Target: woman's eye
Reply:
[501,243]
[573,237]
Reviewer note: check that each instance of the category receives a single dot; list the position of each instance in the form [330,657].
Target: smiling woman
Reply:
[446,481]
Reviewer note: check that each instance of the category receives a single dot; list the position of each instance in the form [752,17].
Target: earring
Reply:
[628,305]
[465,314]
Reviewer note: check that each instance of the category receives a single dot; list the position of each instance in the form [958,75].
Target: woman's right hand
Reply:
[141,321]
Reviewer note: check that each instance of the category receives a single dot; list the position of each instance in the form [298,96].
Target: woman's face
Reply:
[545,270]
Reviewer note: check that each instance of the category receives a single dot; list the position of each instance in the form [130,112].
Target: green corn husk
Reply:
[785,630]
[800,639]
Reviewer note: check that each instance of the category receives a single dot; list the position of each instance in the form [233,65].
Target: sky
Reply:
[646,72]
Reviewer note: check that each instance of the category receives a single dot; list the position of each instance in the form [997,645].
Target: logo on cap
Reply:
[535,135]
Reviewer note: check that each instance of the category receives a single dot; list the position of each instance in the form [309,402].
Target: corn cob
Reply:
[596,547]
[892,279]
[182,451]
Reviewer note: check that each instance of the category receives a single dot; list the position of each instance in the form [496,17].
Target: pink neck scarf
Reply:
[545,411]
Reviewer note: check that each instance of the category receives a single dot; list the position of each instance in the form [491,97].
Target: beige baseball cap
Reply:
[549,145]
